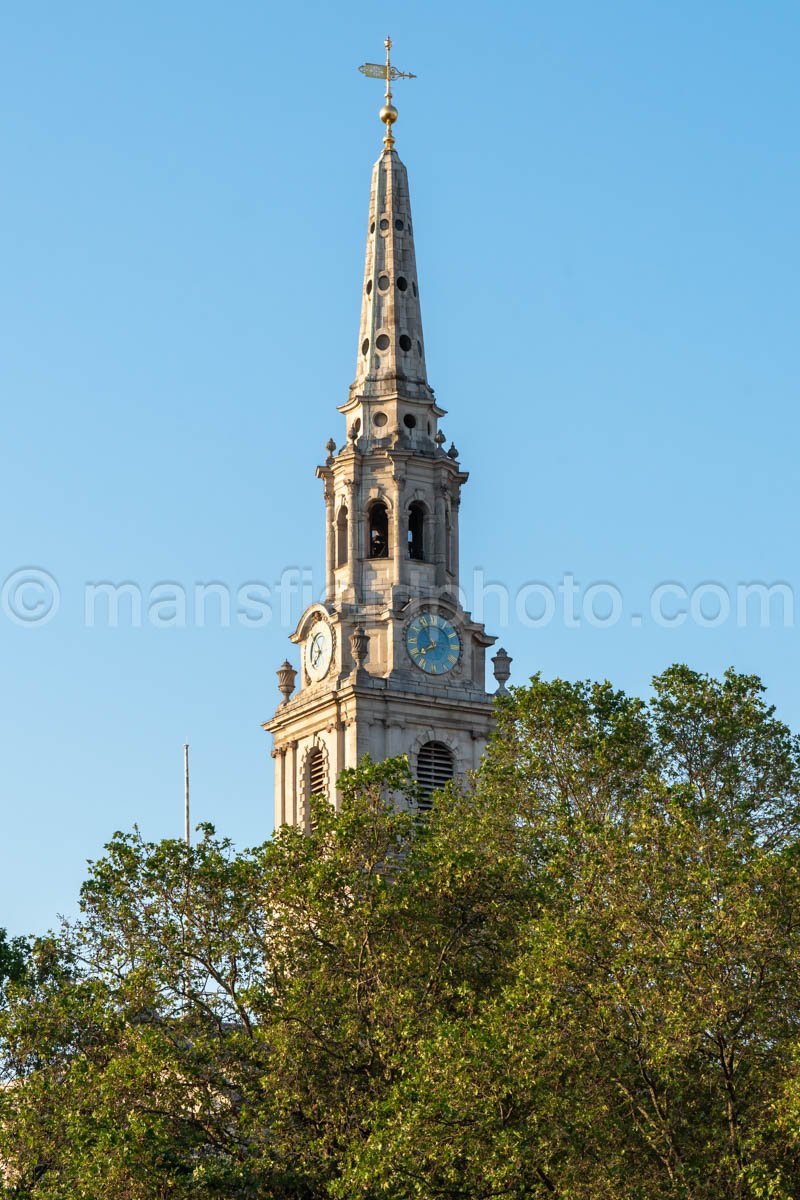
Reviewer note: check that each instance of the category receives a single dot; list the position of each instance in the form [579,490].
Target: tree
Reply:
[646,1045]
[224,1024]
[576,978]
[13,958]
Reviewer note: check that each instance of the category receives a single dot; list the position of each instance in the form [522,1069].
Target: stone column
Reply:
[477,750]
[455,504]
[341,755]
[439,536]
[330,545]
[353,522]
[400,540]
[280,783]
[295,816]
[351,743]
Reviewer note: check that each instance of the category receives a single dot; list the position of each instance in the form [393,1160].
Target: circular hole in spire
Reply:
[410,421]
[384,224]
[405,342]
[414,288]
[365,346]
[383,282]
[402,283]
[398,224]
[419,349]
[372,227]
[382,341]
[369,287]
[380,419]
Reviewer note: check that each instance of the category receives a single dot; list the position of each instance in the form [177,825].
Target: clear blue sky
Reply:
[605,202]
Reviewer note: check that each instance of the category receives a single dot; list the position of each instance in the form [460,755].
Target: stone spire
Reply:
[391,351]
[390,663]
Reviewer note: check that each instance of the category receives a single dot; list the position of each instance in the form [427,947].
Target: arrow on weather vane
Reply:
[387,72]
[378,71]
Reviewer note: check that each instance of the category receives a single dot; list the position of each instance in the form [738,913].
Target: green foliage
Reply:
[576,978]
[13,958]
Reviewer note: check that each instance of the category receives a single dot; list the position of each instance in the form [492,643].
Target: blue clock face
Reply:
[433,643]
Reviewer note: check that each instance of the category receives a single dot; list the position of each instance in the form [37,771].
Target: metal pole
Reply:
[186,793]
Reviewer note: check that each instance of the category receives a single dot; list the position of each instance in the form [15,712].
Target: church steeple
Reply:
[391,351]
[390,662]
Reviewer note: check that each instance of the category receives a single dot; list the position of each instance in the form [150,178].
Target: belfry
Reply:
[390,663]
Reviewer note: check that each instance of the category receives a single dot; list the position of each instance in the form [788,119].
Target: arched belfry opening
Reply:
[341,537]
[435,766]
[379,530]
[416,531]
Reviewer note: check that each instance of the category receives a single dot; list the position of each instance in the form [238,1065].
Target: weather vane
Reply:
[388,72]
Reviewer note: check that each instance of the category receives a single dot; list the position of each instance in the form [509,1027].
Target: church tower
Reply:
[390,663]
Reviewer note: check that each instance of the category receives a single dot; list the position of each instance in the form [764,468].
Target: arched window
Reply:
[378,531]
[435,765]
[341,537]
[416,531]
[316,780]
[448,540]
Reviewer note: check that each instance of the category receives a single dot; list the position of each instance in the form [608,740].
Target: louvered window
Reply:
[316,777]
[434,767]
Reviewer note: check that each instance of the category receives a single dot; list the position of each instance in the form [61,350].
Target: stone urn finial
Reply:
[330,446]
[359,647]
[502,670]
[286,677]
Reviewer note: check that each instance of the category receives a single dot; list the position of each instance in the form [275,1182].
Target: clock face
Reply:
[433,643]
[319,651]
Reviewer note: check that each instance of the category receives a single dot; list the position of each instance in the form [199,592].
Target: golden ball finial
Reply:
[388,114]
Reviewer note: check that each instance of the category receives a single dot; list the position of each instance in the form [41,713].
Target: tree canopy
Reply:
[576,977]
